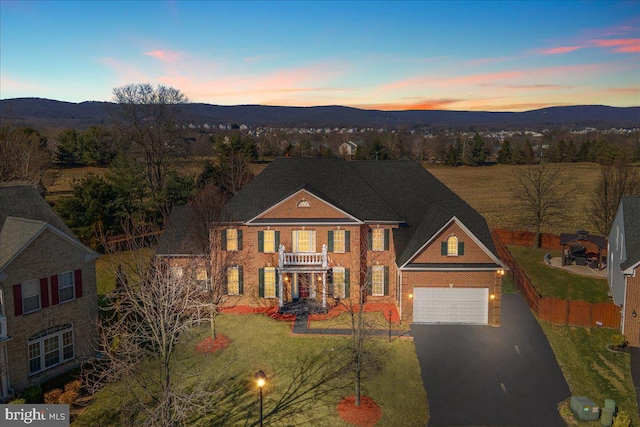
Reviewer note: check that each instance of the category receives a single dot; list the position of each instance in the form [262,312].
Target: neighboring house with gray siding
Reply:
[48,298]
[624,265]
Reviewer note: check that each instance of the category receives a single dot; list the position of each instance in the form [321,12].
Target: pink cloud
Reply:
[164,55]
[619,45]
[425,104]
[559,50]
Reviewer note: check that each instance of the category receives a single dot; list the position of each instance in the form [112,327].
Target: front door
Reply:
[303,284]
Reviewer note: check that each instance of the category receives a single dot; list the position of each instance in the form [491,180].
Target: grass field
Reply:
[258,342]
[553,282]
[490,189]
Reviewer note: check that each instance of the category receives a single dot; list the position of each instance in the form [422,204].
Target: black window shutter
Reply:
[347,241]
[277,238]
[225,285]
[240,281]
[223,238]
[443,248]
[460,248]
[260,241]
[330,240]
[261,282]
[386,280]
[369,239]
[386,239]
[370,279]
[239,240]
[346,283]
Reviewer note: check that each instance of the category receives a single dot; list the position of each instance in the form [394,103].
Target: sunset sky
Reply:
[478,55]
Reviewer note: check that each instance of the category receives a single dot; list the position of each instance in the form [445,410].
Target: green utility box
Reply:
[611,404]
[606,419]
[584,409]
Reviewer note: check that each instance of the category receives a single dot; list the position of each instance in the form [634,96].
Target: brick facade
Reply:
[631,322]
[48,255]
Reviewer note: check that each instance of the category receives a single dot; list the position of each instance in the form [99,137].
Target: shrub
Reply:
[53,396]
[33,394]
[618,340]
[18,401]
[621,420]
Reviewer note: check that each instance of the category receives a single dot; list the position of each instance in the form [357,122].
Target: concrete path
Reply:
[486,376]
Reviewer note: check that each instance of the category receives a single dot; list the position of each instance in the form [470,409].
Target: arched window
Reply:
[452,245]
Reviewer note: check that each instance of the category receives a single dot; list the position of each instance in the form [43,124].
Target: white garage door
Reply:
[466,306]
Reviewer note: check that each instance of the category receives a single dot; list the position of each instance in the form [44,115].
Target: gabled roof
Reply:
[332,177]
[373,191]
[630,206]
[24,215]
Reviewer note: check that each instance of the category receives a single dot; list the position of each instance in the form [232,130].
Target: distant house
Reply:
[348,150]
[48,298]
[624,266]
[324,229]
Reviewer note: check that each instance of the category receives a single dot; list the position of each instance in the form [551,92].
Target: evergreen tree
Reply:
[505,154]
[453,156]
[478,151]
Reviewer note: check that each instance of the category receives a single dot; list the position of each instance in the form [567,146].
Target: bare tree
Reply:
[152,308]
[542,191]
[149,119]
[23,155]
[614,182]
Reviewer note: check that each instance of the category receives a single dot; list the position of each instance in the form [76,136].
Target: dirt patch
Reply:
[210,345]
[366,415]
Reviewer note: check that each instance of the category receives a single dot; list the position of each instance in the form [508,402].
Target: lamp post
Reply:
[261,379]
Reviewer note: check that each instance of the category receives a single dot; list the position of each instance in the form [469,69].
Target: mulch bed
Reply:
[366,415]
[210,345]
[369,307]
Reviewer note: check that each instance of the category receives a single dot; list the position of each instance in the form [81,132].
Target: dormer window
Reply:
[302,203]
[452,246]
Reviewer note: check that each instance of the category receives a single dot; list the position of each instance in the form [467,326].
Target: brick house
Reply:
[624,266]
[326,228]
[48,299]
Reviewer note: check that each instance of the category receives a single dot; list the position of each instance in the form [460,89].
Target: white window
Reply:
[30,296]
[66,288]
[303,240]
[339,241]
[201,276]
[377,239]
[377,280]
[452,246]
[176,273]
[338,282]
[269,241]
[50,348]
[233,281]
[269,282]
[232,239]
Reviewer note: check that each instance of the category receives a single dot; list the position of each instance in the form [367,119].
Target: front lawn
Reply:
[590,369]
[374,320]
[258,342]
[553,282]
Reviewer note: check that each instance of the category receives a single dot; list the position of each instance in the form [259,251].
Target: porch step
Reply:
[303,307]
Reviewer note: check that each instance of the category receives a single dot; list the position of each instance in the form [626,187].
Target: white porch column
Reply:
[280,289]
[324,289]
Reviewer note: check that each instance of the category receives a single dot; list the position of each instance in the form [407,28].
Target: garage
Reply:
[461,306]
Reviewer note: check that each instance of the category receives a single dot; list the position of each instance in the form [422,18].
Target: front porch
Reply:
[305,274]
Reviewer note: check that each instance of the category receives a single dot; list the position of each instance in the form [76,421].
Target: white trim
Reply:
[301,222]
[624,305]
[467,231]
[295,194]
[410,268]
[630,271]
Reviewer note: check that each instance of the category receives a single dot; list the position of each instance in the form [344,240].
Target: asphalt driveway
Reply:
[486,376]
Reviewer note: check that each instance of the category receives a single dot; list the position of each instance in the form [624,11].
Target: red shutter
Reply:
[78,282]
[17,299]
[44,292]
[55,296]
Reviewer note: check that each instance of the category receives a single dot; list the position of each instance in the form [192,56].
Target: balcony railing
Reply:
[306,259]
[3,327]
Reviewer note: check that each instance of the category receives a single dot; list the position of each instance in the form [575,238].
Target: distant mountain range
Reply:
[43,113]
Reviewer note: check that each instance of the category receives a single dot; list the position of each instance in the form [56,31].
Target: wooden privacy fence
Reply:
[526,238]
[556,310]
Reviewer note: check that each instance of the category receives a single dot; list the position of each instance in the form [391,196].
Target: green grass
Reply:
[107,266]
[259,342]
[376,320]
[553,282]
[590,369]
